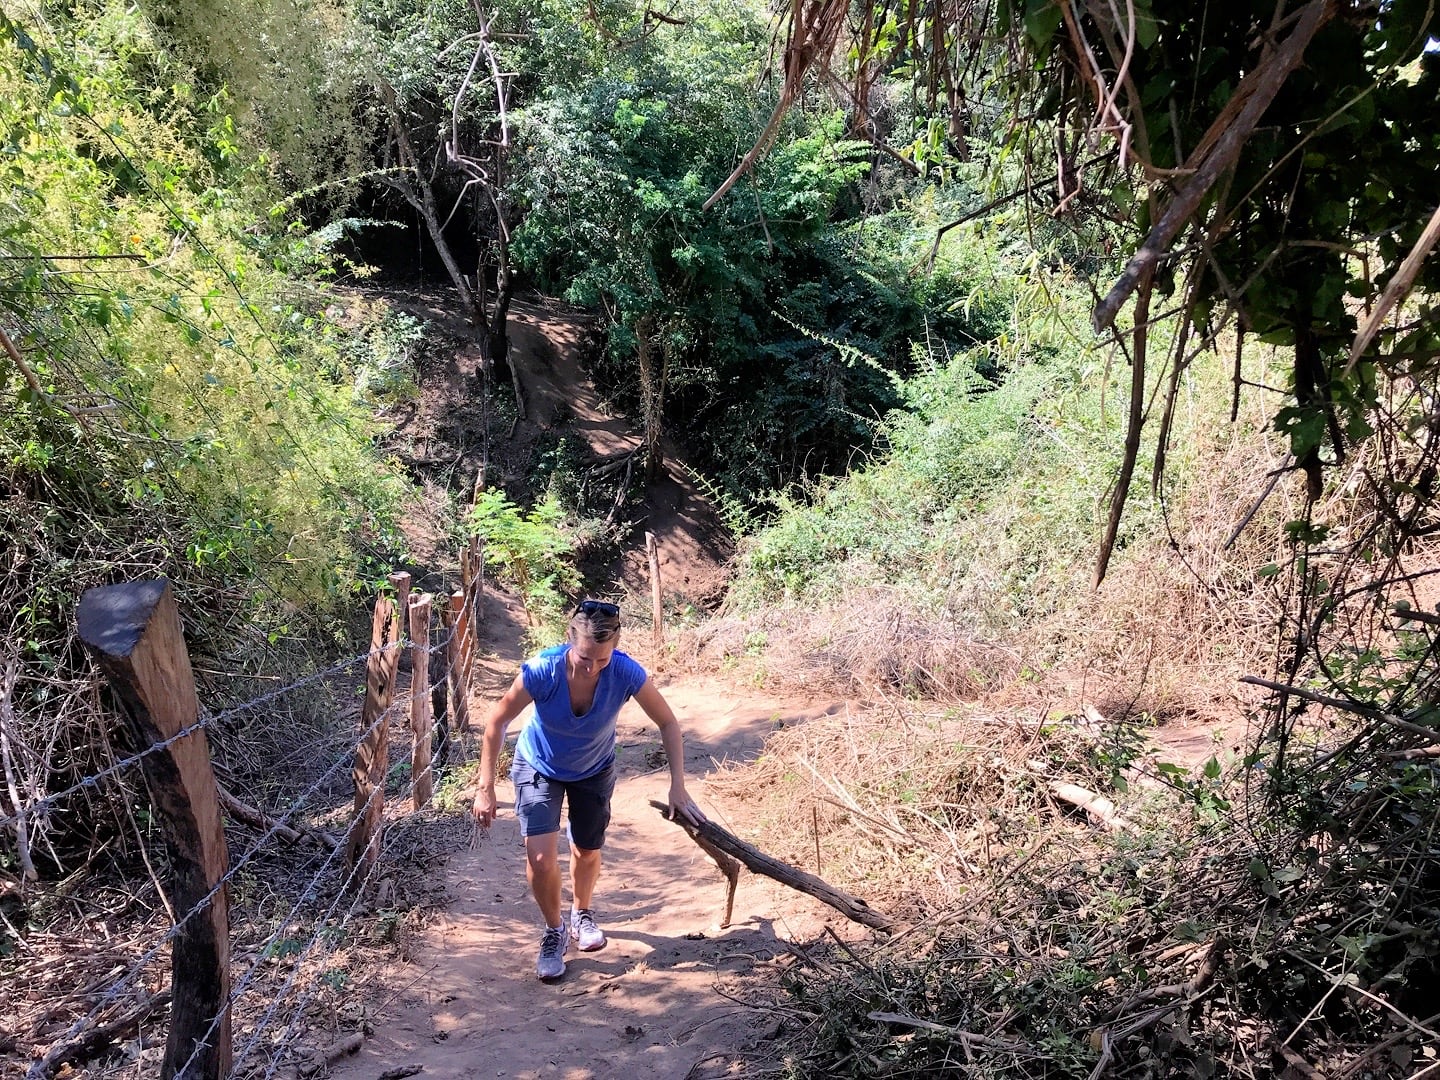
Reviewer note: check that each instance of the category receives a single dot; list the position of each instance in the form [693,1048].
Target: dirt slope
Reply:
[694,547]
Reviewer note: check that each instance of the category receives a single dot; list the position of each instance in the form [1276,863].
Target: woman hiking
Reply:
[566,752]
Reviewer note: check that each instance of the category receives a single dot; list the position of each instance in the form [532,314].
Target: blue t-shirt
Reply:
[556,742]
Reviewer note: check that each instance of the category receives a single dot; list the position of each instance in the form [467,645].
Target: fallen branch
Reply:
[728,866]
[92,1040]
[968,1039]
[1196,984]
[614,465]
[853,908]
[249,815]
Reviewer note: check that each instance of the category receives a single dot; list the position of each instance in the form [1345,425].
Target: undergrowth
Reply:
[187,399]
[1176,932]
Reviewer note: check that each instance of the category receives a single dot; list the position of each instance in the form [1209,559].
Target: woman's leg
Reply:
[537,804]
[542,870]
[584,872]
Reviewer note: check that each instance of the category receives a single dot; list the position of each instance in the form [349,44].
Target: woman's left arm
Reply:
[649,698]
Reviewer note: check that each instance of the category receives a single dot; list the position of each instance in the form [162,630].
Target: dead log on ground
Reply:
[91,1041]
[291,834]
[711,836]
[1098,807]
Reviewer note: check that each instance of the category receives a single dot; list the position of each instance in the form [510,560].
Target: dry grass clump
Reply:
[874,643]
[914,808]
[1183,613]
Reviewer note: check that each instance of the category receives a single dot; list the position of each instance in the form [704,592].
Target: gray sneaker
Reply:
[588,935]
[551,964]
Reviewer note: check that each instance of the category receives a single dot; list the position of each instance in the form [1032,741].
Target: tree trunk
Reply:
[420,194]
[495,341]
[652,394]
[425,204]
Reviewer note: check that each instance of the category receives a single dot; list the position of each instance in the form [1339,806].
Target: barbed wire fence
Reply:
[239,992]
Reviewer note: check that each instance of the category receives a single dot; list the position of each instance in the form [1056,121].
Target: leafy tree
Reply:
[442,100]
[177,400]
[1275,164]
[532,547]
[766,327]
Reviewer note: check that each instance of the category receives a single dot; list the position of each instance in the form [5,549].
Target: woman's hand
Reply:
[484,806]
[682,805]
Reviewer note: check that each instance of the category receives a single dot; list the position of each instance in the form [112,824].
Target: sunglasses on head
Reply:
[597,607]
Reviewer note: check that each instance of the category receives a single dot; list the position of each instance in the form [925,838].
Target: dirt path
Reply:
[672,995]
[693,545]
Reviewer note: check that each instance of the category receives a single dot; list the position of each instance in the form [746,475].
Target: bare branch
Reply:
[1217,151]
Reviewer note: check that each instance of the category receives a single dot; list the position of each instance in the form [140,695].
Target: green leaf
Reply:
[1042,19]
[1147,27]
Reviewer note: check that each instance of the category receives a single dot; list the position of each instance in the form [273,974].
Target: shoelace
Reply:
[550,947]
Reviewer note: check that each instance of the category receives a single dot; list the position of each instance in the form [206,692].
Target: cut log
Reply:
[852,907]
[1097,806]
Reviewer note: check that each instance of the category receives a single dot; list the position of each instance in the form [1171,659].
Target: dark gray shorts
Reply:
[538,799]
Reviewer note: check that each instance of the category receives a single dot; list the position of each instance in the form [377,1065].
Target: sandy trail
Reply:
[672,994]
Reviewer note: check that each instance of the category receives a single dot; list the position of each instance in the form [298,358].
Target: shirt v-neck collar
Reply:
[565,678]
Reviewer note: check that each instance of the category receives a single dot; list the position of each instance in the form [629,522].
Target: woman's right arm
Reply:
[505,710]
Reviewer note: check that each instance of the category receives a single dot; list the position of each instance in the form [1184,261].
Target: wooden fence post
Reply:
[420,721]
[474,585]
[134,632]
[372,754]
[458,619]
[400,581]
[656,612]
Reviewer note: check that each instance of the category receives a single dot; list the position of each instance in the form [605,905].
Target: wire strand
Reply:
[42,805]
[135,969]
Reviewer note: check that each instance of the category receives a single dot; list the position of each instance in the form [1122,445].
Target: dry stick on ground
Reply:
[967,1039]
[258,819]
[90,1041]
[851,907]
[323,1059]
[1196,984]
